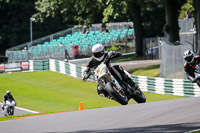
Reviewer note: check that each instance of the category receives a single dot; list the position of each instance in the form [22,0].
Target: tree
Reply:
[187,8]
[171,14]
[132,11]
[70,12]
[14,23]
[147,17]
[137,21]
[196,5]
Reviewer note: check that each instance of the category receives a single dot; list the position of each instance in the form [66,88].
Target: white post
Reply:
[31,20]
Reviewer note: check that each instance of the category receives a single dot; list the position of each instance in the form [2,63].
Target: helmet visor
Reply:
[98,54]
[189,59]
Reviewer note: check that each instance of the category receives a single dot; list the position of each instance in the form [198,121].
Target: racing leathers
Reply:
[116,70]
[190,68]
[6,97]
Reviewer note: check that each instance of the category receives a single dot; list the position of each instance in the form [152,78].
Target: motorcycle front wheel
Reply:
[119,97]
[139,97]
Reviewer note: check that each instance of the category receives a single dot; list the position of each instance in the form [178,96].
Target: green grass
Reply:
[150,71]
[127,58]
[113,48]
[48,92]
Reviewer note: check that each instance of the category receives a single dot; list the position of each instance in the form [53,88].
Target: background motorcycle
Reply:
[9,107]
[197,74]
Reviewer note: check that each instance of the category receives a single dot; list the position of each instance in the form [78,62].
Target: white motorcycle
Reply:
[9,107]
[119,92]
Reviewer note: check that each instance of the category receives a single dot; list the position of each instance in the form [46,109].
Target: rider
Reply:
[100,55]
[6,97]
[189,66]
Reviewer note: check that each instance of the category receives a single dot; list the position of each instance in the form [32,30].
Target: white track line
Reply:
[27,110]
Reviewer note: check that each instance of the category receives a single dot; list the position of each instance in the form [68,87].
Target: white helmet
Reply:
[98,52]
[188,56]
[8,92]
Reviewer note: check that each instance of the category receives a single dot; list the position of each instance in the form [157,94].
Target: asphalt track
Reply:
[180,115]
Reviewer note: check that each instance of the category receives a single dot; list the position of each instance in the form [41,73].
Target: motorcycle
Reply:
[197,74]
[120,92]
[9,107]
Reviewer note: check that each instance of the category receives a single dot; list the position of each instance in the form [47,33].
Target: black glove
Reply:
[110,54]
[108,57]
[194,80]
[85,77]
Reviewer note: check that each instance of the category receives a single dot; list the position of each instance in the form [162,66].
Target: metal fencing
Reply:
[172,61]
[186,25]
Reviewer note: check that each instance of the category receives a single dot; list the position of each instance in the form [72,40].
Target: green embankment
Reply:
[48,92]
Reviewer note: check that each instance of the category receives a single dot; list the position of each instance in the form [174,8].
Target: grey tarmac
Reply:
[180,115]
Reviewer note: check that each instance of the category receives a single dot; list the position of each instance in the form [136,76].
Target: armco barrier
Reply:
[179,87]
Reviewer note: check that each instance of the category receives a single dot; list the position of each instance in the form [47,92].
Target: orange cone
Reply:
[81,106]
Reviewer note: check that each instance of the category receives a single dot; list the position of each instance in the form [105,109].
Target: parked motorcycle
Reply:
[9,107]
[120,92]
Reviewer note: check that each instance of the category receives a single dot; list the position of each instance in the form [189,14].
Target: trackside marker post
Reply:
[81,106]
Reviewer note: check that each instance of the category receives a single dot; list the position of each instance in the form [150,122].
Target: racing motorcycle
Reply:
[197,74]
[120,92]
[9,107]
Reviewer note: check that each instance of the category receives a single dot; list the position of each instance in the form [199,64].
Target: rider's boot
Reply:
[2,109]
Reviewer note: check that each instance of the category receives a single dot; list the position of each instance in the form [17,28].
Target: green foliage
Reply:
[187,8]
[55,15]
[14,22]
[152,13]
[76,12]
[113,48]
[115,11]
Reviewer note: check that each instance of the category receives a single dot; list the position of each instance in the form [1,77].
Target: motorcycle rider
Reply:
[190,62]
[100,55]
[6,97]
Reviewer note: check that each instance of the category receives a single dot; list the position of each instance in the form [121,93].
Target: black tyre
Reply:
[119,97]
[9,111]
[139,97]
[12,111]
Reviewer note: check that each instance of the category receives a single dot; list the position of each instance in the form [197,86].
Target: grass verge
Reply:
[150,71]
[50,92]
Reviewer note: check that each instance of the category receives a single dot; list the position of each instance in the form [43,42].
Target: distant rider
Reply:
[100,55]
[190,62]
[6,97]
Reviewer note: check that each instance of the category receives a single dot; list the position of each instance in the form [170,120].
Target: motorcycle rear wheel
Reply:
[120,98]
